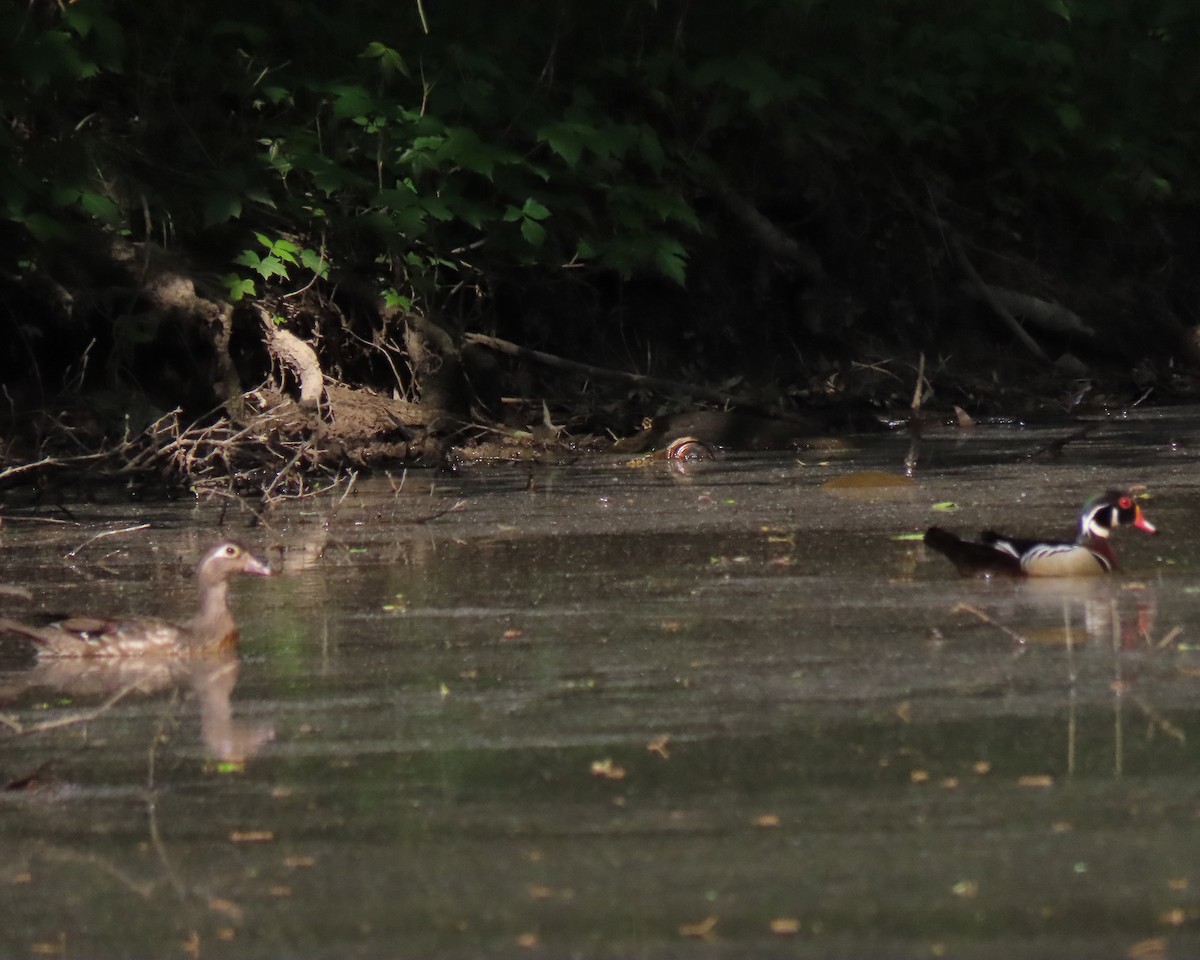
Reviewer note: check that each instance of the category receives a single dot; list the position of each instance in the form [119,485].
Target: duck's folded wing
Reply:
[972,559]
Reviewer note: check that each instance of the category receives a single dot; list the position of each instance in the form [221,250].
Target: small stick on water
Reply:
[105,533]
[349,488]
[976,612]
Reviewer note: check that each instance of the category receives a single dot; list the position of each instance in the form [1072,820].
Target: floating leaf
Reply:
[945,506]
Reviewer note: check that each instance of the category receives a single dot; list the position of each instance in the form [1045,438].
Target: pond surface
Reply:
[603,711]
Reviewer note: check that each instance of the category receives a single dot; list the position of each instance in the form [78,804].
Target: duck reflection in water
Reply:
[87,656]
[1120,616]
[210,681]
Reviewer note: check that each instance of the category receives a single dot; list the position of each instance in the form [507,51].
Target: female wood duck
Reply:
[1088,555]
[210,631]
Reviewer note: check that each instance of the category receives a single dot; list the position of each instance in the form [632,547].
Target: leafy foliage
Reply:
[438,152]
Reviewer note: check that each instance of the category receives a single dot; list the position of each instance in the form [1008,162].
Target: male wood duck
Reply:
[1089,554]
[211,630]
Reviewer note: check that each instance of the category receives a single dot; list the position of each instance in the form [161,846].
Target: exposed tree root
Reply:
[297,355]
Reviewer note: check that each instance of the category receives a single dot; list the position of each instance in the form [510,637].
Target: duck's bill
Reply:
[1140,521]
[254,565]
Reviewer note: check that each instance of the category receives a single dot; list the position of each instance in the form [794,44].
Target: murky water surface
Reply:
[609,712]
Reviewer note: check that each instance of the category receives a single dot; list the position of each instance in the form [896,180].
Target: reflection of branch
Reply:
[184,891]
[457,505]
[976,612]
[86,717]
[1054,448]
[143,888]
[1162,723]
[152,801]
[106,533]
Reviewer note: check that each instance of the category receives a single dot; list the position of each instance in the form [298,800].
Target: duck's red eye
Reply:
[1125,503]
[231,551]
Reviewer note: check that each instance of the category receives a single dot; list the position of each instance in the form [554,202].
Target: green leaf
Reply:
[390,61]
[313,261]
[238,287]
[1060,7]
[671,260]
[437,208]
[271,267]
[1069,116]
[564,139]
[100,208]
[396,300]
[64,195]
[43,228]
[222,208]
[533,232]
[534,210]
[351,101]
